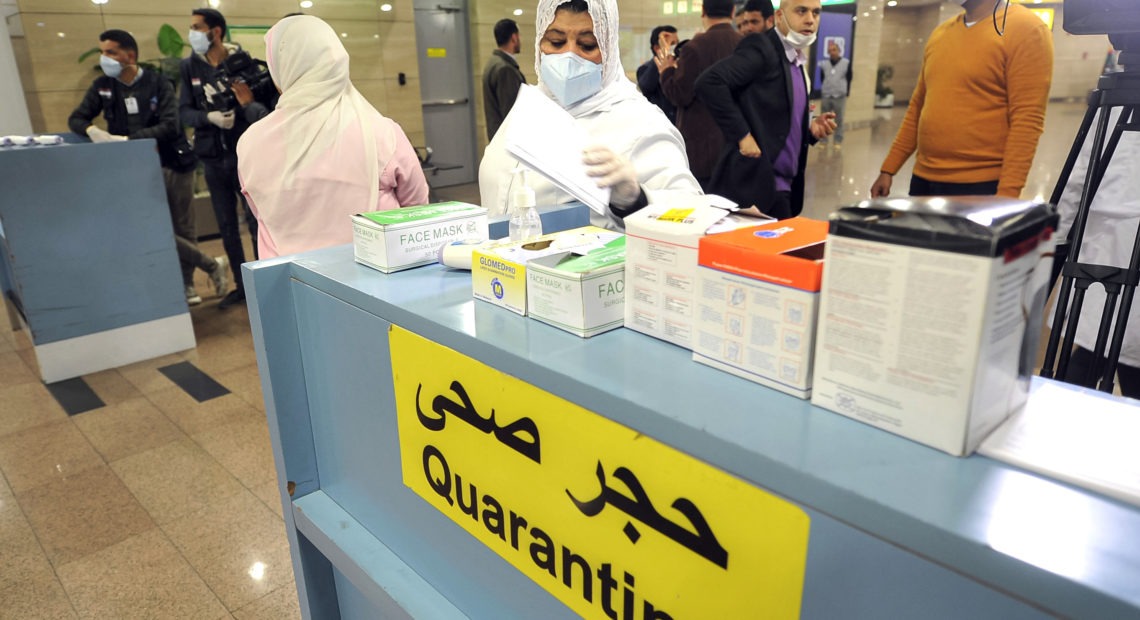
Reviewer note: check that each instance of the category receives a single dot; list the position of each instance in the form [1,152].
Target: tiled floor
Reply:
[152,506]
[160,506]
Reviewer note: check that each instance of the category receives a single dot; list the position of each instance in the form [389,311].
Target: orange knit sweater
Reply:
[979,107]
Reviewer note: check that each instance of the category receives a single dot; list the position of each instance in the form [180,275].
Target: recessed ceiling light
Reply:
[215,3]
[61,35]
[385,7]
[893,3]
[344,35]
[306,4]
[518,12]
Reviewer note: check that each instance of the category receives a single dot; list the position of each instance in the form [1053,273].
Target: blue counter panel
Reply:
[88,241]
[898,530]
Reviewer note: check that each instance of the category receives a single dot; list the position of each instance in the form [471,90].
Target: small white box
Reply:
[498,270]
[583,295]
[409,237]
[930,313]
[661,263]
[757,302]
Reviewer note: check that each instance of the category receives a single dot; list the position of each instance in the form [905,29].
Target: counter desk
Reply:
[893,529]
[88,264]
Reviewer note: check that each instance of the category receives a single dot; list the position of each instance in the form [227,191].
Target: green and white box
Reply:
[582,294]
[410,237]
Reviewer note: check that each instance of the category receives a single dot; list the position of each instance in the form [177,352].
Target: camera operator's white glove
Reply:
[225,120]
[99,135]
[613,171]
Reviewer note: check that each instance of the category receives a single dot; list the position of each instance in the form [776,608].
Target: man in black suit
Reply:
[661,41]
[759,98]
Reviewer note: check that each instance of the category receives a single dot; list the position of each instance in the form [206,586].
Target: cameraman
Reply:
[219,110]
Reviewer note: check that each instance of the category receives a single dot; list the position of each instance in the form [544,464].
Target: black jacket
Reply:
[751,92]
[649,82]
[157,109]
[210,141]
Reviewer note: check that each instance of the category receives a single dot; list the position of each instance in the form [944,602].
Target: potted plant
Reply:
[884,96]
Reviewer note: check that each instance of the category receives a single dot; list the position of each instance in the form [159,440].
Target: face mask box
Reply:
[757,300]
[661,264]
[499,270]
[409,237]
[582,294]
[930,314]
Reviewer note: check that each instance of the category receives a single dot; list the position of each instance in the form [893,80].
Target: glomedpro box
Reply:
[582,294]
[930,314]
[661,264]
[498,270]
[757,302]
[409,237]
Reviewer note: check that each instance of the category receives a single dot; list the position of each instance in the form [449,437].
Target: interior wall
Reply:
[380,44]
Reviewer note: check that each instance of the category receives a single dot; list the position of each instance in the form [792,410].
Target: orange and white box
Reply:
[758,302]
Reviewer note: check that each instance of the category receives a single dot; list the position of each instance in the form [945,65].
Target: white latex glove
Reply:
[115,138]
[99,135]
[613,171]
[225,120]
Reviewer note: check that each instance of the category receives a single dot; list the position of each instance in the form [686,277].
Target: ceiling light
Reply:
[214,3]
[98,1]
[306,4]
[893,3]
[385,7]
[518,12]
[344,35]
[61,35]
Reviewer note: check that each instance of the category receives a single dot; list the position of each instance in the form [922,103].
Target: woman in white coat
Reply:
[636,151]
[1109,234]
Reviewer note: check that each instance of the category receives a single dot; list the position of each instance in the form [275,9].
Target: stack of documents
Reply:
[1077,435]
[546,138]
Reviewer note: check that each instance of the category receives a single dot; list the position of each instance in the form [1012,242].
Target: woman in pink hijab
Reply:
[325,153]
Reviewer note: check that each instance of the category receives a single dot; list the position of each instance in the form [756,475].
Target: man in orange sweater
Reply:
[979,107]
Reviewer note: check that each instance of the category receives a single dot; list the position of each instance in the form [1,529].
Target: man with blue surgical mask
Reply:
[219,111]
[138,105]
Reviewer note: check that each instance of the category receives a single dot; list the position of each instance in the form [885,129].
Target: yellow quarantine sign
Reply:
[612,523]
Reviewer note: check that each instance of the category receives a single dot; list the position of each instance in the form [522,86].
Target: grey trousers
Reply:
[836,104]
[179,194]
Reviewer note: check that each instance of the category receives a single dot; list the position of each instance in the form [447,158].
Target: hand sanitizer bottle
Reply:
[524,223]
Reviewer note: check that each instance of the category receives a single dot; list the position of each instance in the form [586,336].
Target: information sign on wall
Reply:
[611,522]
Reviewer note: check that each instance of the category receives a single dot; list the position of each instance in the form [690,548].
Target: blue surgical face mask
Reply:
[570,77]
[199,41]
[111,67]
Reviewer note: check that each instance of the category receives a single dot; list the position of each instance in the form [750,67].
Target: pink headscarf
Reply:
[323,143]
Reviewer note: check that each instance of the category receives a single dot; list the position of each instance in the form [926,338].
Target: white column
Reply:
[865,64]
[13,108]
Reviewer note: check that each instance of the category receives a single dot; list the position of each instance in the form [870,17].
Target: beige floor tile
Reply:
[144,375]
[26,405]
[243,448]
[127,428]
[141,577]
[13,370]
[220,353]
[43,454]
[269,495]
[37,597]
[21,556]
[194,417]
[111,386]
[281,604]
[246,383]
[175,479]
[83,514]
[238,547]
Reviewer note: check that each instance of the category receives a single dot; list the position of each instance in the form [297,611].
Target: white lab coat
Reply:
[1109,232]
[618,117]
[630,126]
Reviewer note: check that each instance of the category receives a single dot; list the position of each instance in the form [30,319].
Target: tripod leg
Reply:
[1122,316]
[1109,150]
[1075,234]
[1112,292]
[1075,151]
[1070,328]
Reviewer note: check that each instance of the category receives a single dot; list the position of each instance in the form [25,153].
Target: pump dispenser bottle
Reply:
[524,222]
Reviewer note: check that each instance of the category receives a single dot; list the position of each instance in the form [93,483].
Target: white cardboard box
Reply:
[409,237]
[758,298]
[661,264]
[584,295]
[499,270]
[930,314]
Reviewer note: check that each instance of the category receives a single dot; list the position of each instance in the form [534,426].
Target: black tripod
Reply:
[1114,90]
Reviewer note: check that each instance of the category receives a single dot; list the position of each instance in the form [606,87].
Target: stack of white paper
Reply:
[546,138]
[1077,435]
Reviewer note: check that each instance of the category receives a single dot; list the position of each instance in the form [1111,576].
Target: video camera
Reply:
[241,67]
[1119,19]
